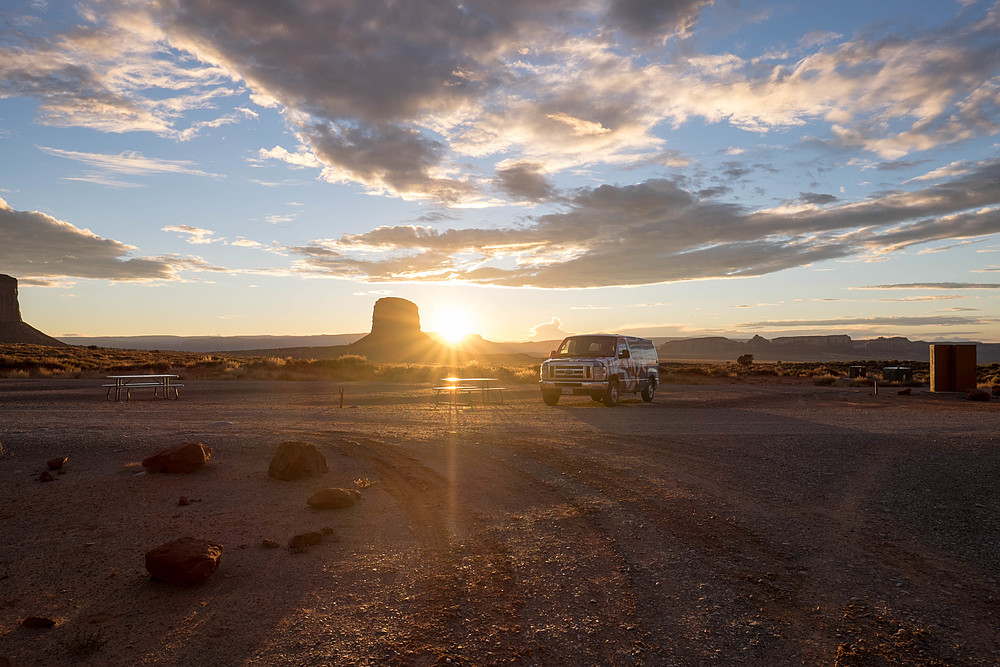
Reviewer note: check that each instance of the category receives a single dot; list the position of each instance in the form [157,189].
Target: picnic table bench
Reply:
[159,382]
[455,387]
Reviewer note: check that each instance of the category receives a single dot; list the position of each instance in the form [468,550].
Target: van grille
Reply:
[569,372]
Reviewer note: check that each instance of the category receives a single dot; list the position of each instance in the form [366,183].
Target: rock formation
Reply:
[393,317]
[12,328]
[10,310]
[396,335]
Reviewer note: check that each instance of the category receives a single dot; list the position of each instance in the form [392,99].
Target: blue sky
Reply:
[520,169]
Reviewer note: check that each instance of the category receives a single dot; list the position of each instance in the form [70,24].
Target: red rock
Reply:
[904,392]
[977,395]
[56,463]
[185,458]
[46,476]
[184,562]
[295,460]
[330,499]
[302,542]
[325,531]
[37,622]
[269,543]
[183,500]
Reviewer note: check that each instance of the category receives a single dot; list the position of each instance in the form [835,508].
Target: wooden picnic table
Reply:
[159,382]
[456,386]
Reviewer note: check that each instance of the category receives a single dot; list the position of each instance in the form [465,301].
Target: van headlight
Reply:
[600,373]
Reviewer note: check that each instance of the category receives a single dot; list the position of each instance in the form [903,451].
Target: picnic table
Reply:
[454,387]
[159,382]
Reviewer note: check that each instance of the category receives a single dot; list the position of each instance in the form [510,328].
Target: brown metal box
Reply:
[953,367]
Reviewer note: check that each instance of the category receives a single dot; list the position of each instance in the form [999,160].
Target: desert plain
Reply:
[723,523]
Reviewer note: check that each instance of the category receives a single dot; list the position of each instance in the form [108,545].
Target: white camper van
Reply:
[602,366]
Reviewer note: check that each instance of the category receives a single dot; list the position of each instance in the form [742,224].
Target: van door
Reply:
[626,368]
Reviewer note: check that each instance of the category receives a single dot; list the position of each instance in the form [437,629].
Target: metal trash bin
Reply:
[897,374]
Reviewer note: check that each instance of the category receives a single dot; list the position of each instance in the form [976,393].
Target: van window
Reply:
[587,346]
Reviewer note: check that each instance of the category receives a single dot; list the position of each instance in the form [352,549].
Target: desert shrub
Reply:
[83,643]
[825,380]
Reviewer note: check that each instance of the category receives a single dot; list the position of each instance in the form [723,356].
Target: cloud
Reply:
[195,235]
[868,322]
[129,163]
[816,198]
[109,75]
[939,297]
[397,97]
[656,232]
[910,286]
[524,181]
[551,330]
[649,18]
[38,246]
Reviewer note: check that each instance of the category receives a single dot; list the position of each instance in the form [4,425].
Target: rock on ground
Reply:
[331,499]
[185,458]
[184,562]
[295,460]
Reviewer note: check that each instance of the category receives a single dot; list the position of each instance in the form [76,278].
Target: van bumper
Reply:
[575,388]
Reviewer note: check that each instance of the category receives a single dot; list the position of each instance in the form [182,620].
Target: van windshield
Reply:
[587,346]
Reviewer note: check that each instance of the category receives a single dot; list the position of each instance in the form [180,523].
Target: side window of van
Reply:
[622,346]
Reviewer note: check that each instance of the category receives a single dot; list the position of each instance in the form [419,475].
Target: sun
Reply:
[453,326]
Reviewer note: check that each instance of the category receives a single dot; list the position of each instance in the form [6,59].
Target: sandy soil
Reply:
[722,523]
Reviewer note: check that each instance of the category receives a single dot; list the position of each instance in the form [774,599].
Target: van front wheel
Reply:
[612,394]
[647,392]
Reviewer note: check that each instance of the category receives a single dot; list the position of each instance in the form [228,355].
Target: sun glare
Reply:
[453,326]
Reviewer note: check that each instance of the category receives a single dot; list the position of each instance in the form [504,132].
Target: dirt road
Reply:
[725,524]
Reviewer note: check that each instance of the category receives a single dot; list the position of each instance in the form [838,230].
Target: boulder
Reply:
[904,392]
[37,622]
[977,395]
[46,476]
[184,562]
[56,463]
[332,499]
[302,542]
[184,458]
[295,460]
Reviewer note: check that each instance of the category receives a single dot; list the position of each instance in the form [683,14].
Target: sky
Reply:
[520,169]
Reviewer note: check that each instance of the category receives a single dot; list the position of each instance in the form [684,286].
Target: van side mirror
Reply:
[624,354]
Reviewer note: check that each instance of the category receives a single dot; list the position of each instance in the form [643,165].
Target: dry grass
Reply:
[30,361]
[36,361]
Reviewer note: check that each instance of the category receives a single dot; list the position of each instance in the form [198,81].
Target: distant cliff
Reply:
[810,348]
[12,328]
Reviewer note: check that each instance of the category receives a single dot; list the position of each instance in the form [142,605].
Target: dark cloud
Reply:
[817,198]
[38,246]
[653,18]
[899,165]
[524,180]
[656,232]
[392,157]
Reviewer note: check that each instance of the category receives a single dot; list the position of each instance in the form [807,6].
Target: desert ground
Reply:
[723,523]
